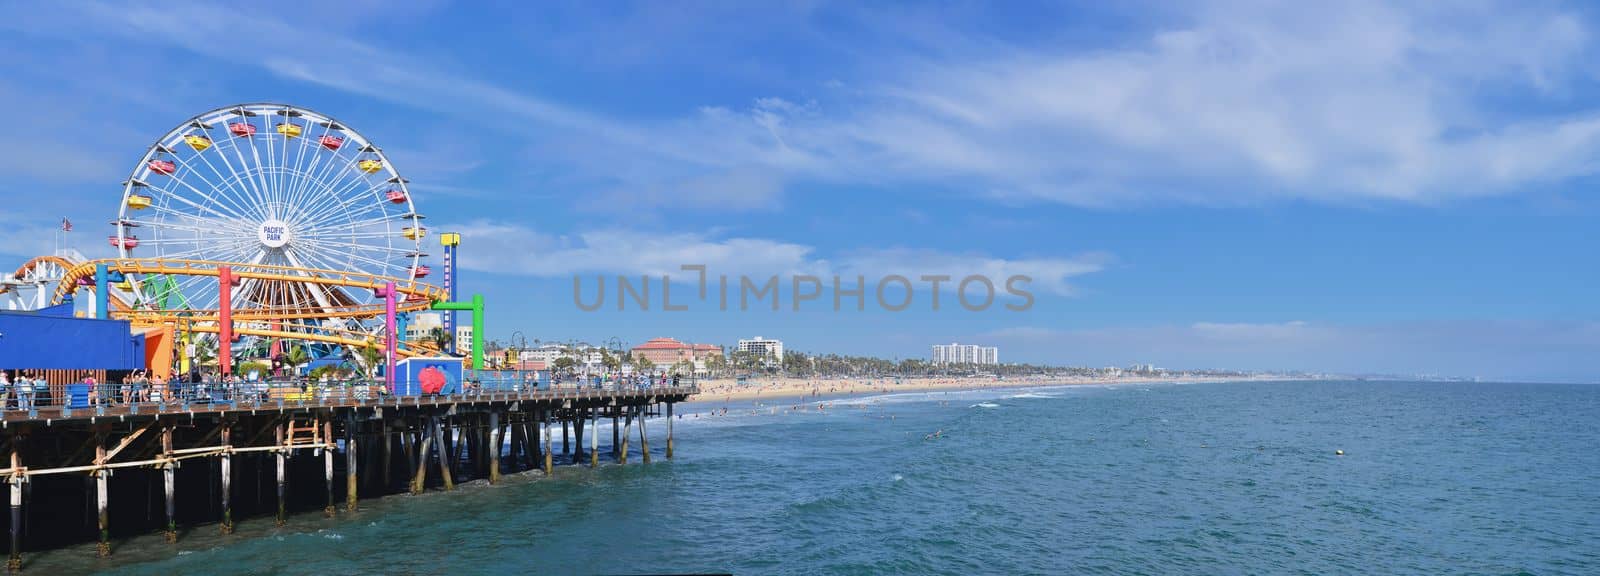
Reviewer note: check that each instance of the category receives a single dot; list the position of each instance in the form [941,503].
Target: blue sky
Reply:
[1329,186]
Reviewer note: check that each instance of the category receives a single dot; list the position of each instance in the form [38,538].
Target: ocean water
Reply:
[1223,478]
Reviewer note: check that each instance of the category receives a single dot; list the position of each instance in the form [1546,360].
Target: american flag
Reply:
[66,225]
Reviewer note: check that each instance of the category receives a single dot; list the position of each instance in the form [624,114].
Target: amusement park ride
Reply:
[259,221]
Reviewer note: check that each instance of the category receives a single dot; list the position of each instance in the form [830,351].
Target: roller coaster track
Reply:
[413,296]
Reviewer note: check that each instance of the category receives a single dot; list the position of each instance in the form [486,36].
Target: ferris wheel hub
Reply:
[273,233]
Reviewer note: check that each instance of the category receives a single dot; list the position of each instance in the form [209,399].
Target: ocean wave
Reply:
[1027,395]
[985,405]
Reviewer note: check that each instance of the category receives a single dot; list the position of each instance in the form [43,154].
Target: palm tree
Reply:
[296,357]
[371,356]
[441,338]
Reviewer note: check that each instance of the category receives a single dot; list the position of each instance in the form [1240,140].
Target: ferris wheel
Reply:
[266,185]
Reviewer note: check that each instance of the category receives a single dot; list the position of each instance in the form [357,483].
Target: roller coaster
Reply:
[256,221]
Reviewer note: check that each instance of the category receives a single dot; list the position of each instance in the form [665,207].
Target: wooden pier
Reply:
[103,472]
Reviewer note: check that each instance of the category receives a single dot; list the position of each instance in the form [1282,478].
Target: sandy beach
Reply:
[727,390]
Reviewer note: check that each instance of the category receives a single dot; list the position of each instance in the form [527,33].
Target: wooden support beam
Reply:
[594,437]
[669,430]
[616,442]
[124,443]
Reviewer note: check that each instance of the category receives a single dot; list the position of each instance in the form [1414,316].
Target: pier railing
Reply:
[22,402]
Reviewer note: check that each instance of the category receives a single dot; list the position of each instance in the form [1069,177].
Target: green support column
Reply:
[476,307]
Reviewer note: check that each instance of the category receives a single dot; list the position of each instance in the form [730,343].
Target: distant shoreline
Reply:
[729,390]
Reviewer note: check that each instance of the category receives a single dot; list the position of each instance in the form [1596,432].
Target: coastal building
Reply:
[665,352]
[463,340]
[763,348]
[547,353]
[422,324]
[965,354]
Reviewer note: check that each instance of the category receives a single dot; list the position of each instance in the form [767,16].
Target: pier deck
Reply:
[103,468]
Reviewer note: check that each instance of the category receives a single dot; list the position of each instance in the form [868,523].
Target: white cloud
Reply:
[1236,101]
[1051,275]
[519,250]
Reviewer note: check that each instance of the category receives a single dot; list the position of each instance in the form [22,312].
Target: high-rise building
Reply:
[965,354]
[763,348]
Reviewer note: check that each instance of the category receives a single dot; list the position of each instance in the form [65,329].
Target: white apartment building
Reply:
[965,354]
[763,348]
[463,340]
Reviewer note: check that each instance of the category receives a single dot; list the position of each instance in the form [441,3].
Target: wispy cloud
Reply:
[520,250]
[1238,102]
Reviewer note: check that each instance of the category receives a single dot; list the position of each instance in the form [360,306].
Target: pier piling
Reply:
[350,463]
[545,416]
[227,476]
[669,430]
[444,459]
[627,428]
[494,447]
[103,548]
[168,473]
[327,463]
[594,437]
[644,439]
[282,454]
[14,562]
[421,477]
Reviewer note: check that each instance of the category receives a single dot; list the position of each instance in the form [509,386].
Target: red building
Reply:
[668,351]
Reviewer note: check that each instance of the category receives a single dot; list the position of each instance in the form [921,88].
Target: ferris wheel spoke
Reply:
[162,209]
[173,195]
[243,173]
[345,166]
[191,170]
[372,215]
[346,195]
[196,228]
[333,260]
[297,191]
[241,187]
[357,257]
